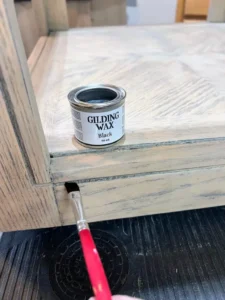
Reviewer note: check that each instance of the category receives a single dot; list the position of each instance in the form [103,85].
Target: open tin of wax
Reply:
[98,113]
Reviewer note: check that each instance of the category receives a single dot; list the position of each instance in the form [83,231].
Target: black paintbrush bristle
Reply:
[72,187]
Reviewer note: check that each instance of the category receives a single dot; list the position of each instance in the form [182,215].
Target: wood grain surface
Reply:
[57,17]
[19,96]
[32,22]
[135,161]
[28,25]
[34,56]
[23,205]
[173,76]
[149,194]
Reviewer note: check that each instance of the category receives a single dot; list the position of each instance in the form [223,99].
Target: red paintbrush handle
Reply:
[96,272]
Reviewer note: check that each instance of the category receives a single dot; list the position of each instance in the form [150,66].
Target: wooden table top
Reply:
[174,77]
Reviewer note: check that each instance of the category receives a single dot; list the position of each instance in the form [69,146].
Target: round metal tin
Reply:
[98,114]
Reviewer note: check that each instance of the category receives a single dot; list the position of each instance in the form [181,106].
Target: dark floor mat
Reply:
[165,257]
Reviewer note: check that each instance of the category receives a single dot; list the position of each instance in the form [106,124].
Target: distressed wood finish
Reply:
[23,205]
[57,17]
[135,161]
[173,76]
[149,194]
[20,99]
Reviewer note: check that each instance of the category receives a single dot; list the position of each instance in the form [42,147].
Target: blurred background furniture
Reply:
[85,13]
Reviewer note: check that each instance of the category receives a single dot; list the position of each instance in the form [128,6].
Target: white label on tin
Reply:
[97,128]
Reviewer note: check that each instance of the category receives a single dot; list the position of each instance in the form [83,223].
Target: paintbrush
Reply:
[93,262]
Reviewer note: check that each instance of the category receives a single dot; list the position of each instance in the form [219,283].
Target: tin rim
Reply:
[75,101]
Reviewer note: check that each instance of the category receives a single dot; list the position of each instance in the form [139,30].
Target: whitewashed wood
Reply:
[107,13]
[136,161]
[151,194]
[35,54]
[18,91]
[173,76]
[57,17]
[216,12]
[23,205]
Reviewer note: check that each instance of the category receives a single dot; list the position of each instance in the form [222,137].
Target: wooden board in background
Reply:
[108,13]
[57,17]
[79,13]
[28,25]
[196,7]
[180,10]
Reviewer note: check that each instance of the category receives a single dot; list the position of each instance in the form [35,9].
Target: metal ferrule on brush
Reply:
[75,198]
